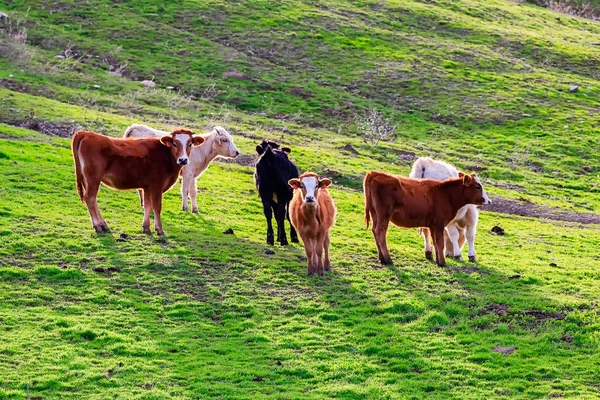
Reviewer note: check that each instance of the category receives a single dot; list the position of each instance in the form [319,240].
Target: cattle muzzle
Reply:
[182,161]
[310,200]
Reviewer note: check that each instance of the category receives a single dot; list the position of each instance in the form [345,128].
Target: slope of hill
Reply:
[487,85]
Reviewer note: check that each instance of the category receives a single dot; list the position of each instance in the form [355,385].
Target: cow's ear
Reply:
[323,183]
[197,140]
[461,174]
[294,183]
[259,149]
[167,141]
[467,180]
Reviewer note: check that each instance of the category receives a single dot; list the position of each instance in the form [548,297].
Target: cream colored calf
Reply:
[464,225]
[218,143]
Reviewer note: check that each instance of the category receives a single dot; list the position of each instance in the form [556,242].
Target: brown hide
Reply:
[149,164]
[313,223]
[414,203]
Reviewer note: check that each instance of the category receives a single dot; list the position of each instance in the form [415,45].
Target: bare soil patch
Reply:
[528,209]
[501,310]
[60,129]
[14,85]
[246,160]
[349,148]
[467,270]
[504,350]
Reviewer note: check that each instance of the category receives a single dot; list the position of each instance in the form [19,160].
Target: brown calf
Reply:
[151,164]
[415,203]
[312,213]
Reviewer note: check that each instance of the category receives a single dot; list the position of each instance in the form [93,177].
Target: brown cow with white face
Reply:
[415,203]
[312,213]
[152,165]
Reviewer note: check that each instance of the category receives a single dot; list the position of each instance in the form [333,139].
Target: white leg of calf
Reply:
[194,194]
[470,234]
[471,228]
[453,235]
[185,186]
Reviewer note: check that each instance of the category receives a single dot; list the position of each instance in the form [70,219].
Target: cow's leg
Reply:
[280,218]
[427,239]
[185,190]
[157,208]
[293,233]
[309,248]
[380,228]
[326,243]
[141,196]
[470,235]
[147,210]
[319,243]
[453,235]
[194,195]
[268,211]
[438,240]
[91,200]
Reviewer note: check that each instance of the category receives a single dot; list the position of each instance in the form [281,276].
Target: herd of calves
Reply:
[435,198]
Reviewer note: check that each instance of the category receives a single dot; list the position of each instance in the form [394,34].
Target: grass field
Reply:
[482,84]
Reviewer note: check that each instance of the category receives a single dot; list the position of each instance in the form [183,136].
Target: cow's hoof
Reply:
[98,228]
[147,231]
[284,243]
[195,211]
[295,240]
[327,267]
[429,255]
[441,265]
[458,258]
[386,261]
[472,259]
[160,233]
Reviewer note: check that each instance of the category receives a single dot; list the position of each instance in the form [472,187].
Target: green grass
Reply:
[208,315]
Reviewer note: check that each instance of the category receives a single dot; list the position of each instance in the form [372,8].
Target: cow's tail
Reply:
[368,198]
[80,181]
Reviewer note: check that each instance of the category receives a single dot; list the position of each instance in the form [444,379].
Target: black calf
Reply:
[273,171]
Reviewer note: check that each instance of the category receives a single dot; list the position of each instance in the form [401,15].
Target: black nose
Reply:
[310,199]
[183,161]
[237,153]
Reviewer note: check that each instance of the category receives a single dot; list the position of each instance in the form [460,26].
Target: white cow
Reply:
[464,225]
[216,143]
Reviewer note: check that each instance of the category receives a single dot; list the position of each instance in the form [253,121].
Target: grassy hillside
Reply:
[482,84]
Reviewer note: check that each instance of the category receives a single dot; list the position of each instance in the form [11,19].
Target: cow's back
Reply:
[427,168]
[137,131]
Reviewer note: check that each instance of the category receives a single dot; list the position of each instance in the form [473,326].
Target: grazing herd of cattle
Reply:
[435,198]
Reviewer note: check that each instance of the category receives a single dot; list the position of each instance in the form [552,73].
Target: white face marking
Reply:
[485,197]
[310,186]
[182,140]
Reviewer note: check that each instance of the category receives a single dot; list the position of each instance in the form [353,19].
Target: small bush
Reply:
[374,128]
